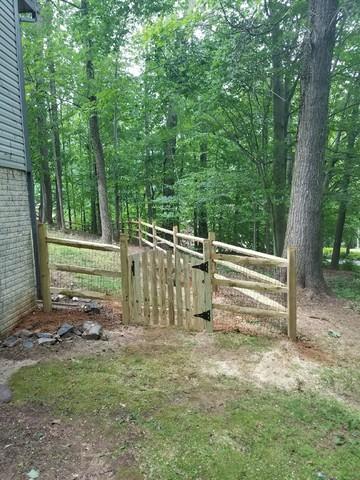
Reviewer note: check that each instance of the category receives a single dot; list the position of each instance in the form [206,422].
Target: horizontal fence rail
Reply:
[190,270]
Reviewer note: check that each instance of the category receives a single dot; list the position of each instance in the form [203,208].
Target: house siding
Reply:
[17,282]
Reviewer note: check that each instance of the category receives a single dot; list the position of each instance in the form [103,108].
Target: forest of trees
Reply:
[239,117]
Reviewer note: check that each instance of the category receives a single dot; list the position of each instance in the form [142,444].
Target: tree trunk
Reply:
[280,99]
[94,130]
[54,115]
[169,168]
[201,210]
[46,195]
[304,222]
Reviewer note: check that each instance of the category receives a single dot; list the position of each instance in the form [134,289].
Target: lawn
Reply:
[179,421]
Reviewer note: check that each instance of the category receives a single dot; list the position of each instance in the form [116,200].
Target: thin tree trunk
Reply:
[169,168]
[280,125]
[106,230]
[46,195]
[54,115]
[304,222]
[201,211]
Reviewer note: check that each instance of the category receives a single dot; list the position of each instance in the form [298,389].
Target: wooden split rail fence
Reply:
[173,281]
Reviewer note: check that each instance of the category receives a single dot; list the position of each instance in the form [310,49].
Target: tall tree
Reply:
[304,221]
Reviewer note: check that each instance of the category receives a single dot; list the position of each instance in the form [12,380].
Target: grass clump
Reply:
[234,341]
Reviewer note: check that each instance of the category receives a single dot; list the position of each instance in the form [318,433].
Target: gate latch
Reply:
[133,268]
[204,315]
[204,267]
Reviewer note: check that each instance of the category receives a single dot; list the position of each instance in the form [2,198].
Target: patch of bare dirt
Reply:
[58,449]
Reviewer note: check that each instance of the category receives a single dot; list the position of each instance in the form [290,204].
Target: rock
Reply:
[27,343]
[92,331]
[65,329]
[44,335]
[75,299]
[5,394]
[91,307]
[24,333]
[11,341]
[58,298]
[78,331]
[46,341]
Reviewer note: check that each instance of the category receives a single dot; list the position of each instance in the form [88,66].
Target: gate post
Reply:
[140,236]
[291,281]
[44,268]
[212,265]
[124,259]
[208,286]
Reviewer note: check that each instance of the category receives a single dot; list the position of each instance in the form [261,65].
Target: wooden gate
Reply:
[169,290]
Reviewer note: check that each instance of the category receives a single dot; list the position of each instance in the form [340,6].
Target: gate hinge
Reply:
[204,315]
[204,267]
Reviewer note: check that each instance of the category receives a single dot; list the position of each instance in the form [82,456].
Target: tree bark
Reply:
[169,168]
[46,194]
[94,129]
[304,221]
[280,131]
[54,115]
[201,210]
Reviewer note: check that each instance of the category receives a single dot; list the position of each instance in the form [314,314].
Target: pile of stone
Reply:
[89,330]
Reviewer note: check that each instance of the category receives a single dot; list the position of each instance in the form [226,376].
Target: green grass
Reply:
[346,286]
[353,255]
[194,426]
[343,381]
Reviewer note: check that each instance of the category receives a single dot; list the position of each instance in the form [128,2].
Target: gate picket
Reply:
[187,286]
[145,276]
[178,287]
[154,292]
[170,286]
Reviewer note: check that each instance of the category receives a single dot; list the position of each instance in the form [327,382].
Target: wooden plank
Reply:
[153,289]
[198,299]
[170,286]
[212,264]
[261,262]
[190,252]
[82,244]
[146,290]
[124,259]
[137,289]
[162,289]
[147,234]
[207,287]
[178,280]
[147,242]
[164,230]
[291,275]
[190,237]
[258,297]
[246,251]
[86,270]
[257,312]
[187,290]
[44,268]
[250,273]
[163,240]
[257,286]
[82,293]
[149,225]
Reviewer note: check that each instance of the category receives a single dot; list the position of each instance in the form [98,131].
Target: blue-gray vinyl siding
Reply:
[12,143]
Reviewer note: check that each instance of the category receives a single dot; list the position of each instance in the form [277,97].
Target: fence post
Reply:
[212,265]
[208,286]
[124,240]
[139,226]
[44,268]
[291,281]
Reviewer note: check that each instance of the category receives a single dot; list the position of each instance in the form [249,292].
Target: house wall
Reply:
[17,283]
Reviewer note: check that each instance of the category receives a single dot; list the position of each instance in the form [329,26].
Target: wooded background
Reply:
[188,113]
